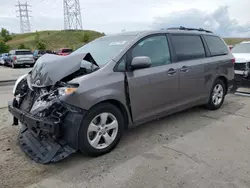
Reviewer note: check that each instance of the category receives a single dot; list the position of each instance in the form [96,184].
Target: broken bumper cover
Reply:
[241,81]
[45,141]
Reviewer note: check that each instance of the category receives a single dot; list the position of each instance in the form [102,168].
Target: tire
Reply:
[213,103]
[13,65]
[87,136]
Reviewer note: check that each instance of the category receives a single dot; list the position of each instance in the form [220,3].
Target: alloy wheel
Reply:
[102,130]
[218,93]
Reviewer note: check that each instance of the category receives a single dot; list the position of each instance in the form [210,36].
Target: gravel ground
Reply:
[18,171]
[15,169]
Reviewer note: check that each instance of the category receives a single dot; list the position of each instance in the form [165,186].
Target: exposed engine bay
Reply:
[44,117]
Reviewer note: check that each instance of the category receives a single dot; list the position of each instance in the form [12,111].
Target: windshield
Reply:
[241,48]
[105,48]
[23,53]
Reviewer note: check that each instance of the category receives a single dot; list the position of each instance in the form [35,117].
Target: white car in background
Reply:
[241,53]
[1,60]
[21,57]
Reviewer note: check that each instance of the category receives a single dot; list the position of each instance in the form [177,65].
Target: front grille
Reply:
[240,66]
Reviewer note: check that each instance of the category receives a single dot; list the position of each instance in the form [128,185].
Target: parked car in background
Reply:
[230,47]
[241,53]
[64,51]
[38,53]
[21,57]
[1,59]
[114,83]
[4,59]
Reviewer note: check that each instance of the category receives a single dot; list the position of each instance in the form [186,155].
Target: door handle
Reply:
[184,69]
[171,72]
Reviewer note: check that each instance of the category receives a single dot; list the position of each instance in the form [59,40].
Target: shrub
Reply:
[21,46]
[4,48]
[40,45]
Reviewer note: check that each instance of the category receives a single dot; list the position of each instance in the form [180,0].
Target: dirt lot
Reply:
[18,171]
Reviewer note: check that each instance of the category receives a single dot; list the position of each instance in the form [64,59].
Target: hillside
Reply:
[54,39]
[72,39]
[232,41]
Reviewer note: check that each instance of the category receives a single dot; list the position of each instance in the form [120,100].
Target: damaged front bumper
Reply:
[48,139]
[241,80]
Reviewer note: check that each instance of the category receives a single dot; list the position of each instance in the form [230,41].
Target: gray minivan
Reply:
[85,101]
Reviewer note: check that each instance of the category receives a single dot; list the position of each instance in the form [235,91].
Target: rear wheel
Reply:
[13,65]
[101,130]
[217,95]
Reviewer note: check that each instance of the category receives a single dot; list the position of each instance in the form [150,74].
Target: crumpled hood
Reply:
[50,68]
[242,57]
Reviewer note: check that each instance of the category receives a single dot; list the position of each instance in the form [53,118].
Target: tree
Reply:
[4,48]
[40,45]
[21,46]
[5,35]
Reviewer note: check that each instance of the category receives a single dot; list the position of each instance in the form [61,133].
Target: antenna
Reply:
[24,17]
[72,15]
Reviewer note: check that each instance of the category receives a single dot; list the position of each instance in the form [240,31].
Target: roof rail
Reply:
[189,29]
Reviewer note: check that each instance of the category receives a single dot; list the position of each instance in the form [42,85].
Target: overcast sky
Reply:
[225,17]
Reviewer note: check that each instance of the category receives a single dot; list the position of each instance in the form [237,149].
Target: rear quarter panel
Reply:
[222,66]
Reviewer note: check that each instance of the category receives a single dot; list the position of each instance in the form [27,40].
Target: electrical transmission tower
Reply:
[23,14]
[72,15]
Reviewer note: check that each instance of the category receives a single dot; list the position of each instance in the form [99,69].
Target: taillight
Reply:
[14,58]
[233,60]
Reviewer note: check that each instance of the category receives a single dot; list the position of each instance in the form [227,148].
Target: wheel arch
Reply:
[120,106]
[225,81]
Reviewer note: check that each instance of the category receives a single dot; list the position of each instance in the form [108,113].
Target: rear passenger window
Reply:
[188,47]
[216,45]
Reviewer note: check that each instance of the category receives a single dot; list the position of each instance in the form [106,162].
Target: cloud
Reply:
[111,16]
[217,21]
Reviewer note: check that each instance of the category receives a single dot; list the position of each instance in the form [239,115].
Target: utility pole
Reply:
[72,15]
[23,10]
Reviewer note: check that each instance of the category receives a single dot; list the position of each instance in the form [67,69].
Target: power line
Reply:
[23,10]
[72,15]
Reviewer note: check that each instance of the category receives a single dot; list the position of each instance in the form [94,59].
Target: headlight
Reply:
[18,81]
[66,90]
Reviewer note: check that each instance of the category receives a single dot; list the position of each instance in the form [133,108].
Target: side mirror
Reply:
[140,62]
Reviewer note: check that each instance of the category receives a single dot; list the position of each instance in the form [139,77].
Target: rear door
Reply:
[153,91]
[190,56]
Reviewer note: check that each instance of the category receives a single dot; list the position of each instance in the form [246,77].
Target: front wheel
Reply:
[217,95]
[101,130]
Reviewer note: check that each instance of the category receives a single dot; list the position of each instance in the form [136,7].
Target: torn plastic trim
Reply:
[18,82]
[46,140]
[42,151]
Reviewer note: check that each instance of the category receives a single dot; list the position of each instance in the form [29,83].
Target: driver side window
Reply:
[156,48]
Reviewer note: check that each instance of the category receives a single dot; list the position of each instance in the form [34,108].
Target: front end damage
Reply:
[242,75]
[49,126]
